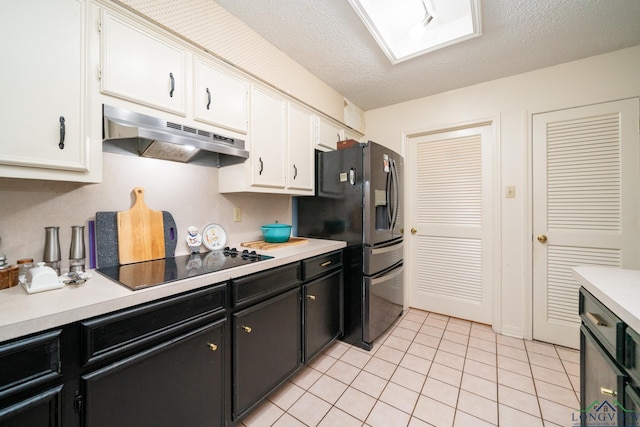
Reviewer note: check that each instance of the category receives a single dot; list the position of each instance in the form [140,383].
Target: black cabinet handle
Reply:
[261,165]
[208,98]
[295,172]
[62,133]
[173,84]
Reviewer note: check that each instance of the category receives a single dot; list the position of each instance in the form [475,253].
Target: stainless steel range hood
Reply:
[128,132]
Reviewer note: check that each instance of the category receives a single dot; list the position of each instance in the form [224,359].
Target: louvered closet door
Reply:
[450,212]
[586,190]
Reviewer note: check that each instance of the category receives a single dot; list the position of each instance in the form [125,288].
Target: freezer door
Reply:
[382,257]
[383,302]
[382,194]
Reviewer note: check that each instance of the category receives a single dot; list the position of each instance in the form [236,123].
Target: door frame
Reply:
[496,221]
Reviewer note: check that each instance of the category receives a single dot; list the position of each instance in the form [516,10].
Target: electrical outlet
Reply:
[237,214]
[510,192]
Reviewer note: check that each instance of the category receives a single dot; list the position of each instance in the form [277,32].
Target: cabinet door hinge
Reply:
[99,25]
[99,73]
[77,403]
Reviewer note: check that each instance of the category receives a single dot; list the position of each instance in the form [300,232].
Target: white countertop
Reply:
[22,313]
[616,288]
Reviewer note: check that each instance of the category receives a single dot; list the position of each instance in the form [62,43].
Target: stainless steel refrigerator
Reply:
[359,199]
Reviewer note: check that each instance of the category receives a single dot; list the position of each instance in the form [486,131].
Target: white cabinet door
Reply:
[220,98]
[43,87]
[300,173]
[327,134]
[141,67]
[268,138]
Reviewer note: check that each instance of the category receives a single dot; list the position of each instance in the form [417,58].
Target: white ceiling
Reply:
[327,38]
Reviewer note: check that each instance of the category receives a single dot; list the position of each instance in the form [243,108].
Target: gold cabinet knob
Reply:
[247,329]
[212,347]
[542,238]
[311,297]
[414,231]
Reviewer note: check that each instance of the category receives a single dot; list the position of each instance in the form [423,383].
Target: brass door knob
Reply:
[542,238]
[311,297]
[213,347]
[414,231]
[247,329]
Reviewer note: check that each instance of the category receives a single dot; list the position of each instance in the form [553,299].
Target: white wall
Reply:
[188,192]
[510,102]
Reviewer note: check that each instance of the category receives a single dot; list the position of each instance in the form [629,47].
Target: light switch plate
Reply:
[237,214]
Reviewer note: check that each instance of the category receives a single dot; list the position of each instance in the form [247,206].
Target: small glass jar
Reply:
[24,265]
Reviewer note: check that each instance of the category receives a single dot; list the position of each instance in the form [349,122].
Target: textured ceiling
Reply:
[327,38]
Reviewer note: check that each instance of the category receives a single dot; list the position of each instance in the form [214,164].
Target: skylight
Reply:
[405,29]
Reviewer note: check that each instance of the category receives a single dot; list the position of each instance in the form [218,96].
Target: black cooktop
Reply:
[141,275]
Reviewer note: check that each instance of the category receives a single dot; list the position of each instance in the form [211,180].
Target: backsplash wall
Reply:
[188,192]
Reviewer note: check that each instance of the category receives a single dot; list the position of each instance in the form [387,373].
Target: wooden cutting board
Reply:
[265,246]
[140,232]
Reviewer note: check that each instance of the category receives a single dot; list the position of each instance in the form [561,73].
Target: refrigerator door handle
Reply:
[396,193]
[386,249]
[386,277]
[387,191]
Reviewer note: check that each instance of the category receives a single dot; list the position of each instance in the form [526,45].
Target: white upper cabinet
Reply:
[328,134]
[268,138]
[281,159]
[140,66]
[44,80]
[300,160]
[219,97]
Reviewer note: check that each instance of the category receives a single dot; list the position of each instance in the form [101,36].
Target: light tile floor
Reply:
[431,370]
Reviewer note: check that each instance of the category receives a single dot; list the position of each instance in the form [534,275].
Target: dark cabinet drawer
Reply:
[29,362]
[134,328]
[605,325]
[321,264]
[257,286]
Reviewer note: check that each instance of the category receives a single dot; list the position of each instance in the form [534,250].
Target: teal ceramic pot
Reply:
[276,233]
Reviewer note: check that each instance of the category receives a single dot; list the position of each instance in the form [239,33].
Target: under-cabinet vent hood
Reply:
[128,132]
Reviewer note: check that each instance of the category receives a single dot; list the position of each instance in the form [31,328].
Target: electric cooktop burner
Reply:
[157,272]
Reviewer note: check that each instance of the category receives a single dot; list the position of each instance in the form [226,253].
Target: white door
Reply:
[450,203]
[586,208]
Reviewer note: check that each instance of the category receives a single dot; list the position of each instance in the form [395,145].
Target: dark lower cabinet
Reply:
[42,409]
[322,313]
[602,385]
[31,381]
[201,358]
[177,383]
[632,406]
[266,348]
